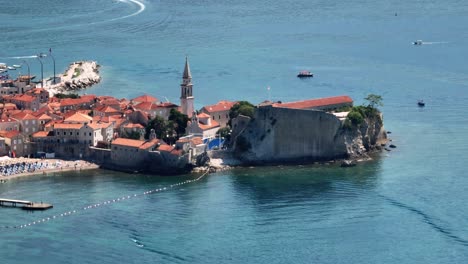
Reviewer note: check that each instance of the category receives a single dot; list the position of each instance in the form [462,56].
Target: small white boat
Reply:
[16,66]
[303,74]
[418,42]
[11,68]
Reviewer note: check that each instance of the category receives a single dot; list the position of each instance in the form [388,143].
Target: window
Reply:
[89,133]
[14,141]
[34,122]
[213,118]
[71,133]
[77,133]
[219,117]
[19,141]
[34,129]
[26,122]
[25,146]
[14,147]
[26,130]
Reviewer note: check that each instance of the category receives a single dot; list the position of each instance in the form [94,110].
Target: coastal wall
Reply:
[276,135]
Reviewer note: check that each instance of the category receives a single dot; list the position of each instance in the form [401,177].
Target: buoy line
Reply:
[93,206]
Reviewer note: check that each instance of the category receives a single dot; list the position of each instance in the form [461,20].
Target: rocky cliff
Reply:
[277,135]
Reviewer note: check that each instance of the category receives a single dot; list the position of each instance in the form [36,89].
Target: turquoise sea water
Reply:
[409,206]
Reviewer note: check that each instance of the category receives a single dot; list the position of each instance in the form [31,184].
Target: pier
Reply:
[26,205]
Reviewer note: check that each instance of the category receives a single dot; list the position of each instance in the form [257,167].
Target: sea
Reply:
[408,205]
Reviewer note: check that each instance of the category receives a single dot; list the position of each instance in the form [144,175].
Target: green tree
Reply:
[63,96]
[132,135]
[223,132]
[160,127]
[241,108]
[374,100]
[355,117]
[178,122]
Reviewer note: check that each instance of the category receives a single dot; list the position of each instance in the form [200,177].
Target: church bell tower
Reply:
[186,95]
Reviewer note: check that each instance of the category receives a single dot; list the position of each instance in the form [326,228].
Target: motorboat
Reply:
[16,66]
[304,74]
[418,42]
[421,103]
[11,68]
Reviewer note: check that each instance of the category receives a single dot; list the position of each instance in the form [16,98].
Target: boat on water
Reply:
[421,103]
[11,68]
[3,66]
[16,66]
[303,74]
[418,42]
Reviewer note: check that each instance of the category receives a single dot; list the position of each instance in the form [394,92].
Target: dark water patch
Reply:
[428,220]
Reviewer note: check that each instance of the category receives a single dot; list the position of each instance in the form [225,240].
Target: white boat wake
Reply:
[22,57]
[435,42]
[141,8]
[138,3]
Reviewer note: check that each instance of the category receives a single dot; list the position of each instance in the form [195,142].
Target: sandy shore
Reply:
[55,165]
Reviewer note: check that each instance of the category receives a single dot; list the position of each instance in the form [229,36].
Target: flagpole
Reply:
[50,54]
[269,93]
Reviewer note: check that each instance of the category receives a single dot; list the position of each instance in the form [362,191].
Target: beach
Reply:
[54,165]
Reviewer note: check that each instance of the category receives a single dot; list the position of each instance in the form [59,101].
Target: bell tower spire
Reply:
[186,95]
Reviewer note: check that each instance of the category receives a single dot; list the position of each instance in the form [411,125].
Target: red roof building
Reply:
[325,104]
[219,112]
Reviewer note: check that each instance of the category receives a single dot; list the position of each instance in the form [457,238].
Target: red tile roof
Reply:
[23,98]
[149,144]
[71,101]
[44,117]
[203,115]
[40,134]
[67,126]
[78,118]
[128,142]
[24,116]
[9,134]
[197,141]
[206,127]
[220,106]
[131,125]
[167,105]
[107,109]
[313,103]
[167,148]
[146,106]
[145,98]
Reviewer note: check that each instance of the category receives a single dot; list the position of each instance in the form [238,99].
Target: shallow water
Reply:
[408,206]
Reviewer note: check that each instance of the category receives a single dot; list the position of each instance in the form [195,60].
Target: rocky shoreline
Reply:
[79,75]
[228,162]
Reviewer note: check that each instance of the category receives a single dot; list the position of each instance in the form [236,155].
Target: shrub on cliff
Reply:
[241,108]
[355,116]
